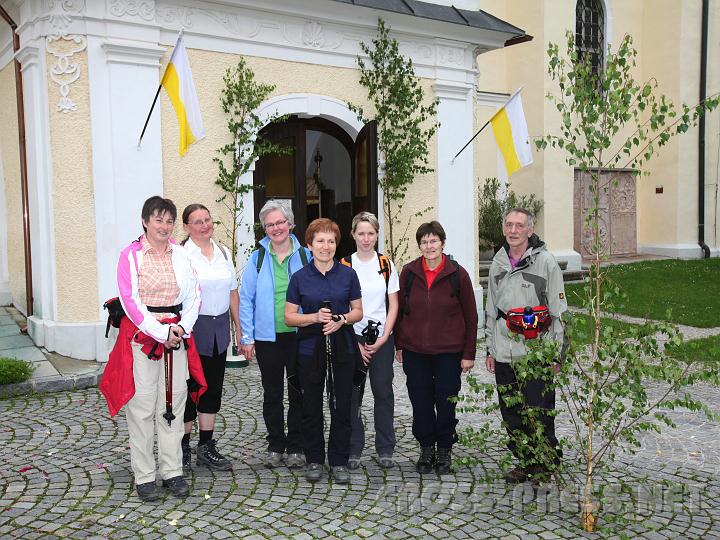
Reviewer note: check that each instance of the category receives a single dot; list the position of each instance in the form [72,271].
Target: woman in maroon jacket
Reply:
[435,341]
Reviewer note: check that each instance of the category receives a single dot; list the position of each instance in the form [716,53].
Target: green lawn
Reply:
[704,350]
[583,334]
[690,289]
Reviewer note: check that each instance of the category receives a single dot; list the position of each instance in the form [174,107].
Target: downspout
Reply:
[23,163]
[701,127]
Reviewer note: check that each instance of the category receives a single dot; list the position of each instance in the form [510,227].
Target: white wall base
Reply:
[573,258]
[478,290]
[678,251]
[5,296]
[85,341]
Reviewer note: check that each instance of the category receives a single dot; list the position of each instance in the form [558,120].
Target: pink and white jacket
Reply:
[127,277]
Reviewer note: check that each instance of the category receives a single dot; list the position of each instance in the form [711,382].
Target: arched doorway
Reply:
[324,174]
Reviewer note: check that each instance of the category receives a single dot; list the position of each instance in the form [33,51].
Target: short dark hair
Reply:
[157,204]
[322,225]
[433,227]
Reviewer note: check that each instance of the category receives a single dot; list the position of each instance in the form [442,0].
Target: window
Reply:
[589,32]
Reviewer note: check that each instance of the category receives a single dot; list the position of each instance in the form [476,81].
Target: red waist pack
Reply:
[529,321]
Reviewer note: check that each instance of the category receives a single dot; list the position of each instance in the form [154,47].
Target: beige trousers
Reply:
[145,411]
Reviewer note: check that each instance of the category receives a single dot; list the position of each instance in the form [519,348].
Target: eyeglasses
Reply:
[280,223]
[201,222]
[426,243]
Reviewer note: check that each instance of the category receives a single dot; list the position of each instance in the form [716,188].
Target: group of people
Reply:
[316,324]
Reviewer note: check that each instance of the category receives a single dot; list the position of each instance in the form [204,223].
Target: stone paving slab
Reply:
[31,354]
[15,342]
[65,473]
[9,330]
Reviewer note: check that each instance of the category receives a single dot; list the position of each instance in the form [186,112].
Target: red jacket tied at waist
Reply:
[117,383]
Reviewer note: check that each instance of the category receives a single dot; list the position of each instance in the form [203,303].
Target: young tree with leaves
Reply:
[619,387]
[240,100]
[401,112]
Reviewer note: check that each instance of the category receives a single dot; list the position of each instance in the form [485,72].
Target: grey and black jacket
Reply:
[536,280]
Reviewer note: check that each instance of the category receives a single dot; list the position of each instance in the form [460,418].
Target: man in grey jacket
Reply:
[523,273]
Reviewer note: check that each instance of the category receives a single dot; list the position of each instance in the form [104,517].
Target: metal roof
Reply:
[449,14]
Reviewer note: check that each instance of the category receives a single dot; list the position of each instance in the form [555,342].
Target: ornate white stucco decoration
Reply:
[312,34]
[144,9]
[175,15]
[63,45]
[237,25]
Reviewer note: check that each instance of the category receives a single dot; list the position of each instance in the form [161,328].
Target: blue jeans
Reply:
[431,380]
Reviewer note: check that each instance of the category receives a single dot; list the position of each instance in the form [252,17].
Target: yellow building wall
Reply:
[10,156]
[712,134]
[73,201]
[191,179]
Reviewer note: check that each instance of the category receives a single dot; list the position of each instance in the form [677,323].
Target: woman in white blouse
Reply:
[219,301]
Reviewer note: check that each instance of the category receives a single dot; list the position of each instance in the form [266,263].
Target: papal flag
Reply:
[511,134]
[178,83]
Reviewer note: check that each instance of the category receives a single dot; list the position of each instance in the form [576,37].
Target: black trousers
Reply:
[276,358]
[312,371]
[431,380]
[214,371]
[536,393]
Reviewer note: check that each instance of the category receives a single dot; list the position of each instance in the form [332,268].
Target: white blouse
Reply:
[216,277]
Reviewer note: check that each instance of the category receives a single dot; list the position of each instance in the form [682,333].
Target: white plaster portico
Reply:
[112,52]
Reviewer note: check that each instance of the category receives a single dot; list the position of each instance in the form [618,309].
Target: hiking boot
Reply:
[208,455]
[273,459]
[148,491]
[295,460]
[386,462]
[353,463]
[426,462]
[516,475]
[186,460]
[177,486]
[340,474]
[444,461]
[313,472]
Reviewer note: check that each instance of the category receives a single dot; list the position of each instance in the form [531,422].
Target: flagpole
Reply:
[486,124]
[157,93]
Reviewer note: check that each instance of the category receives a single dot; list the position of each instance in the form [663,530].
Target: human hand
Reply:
[399,356]
[366,355]
[466,365]
[375,347]
[323,316]
[248,351]
[490,364]
[332,326]
[556,368]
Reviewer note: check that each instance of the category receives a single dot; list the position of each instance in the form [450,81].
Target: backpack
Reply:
[114,306]
[454,283]
[261,257]
[385,270]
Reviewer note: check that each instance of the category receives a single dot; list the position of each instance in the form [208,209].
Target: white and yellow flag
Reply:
[511,134]
[178,83]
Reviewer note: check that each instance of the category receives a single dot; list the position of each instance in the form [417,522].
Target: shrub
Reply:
[14,371]
[491,206]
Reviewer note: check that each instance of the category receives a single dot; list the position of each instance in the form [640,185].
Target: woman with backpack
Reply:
[436,338]
[265,334]
[219,303]
[380,285]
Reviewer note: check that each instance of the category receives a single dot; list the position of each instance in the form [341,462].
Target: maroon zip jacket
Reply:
[437,322]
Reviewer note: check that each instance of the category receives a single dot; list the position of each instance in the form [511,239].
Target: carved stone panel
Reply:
[617,214]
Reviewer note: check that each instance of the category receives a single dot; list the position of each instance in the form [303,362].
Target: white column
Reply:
[456,197]
[124,77]
[40,186]
[5,296]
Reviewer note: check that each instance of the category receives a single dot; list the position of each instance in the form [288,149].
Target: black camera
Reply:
[371,332]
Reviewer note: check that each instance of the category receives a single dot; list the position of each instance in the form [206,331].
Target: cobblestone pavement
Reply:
[65,472]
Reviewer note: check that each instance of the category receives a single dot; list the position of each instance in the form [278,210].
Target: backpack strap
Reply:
[406,293]
[260,257]
[385,270]
[303,256]
[455,280]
